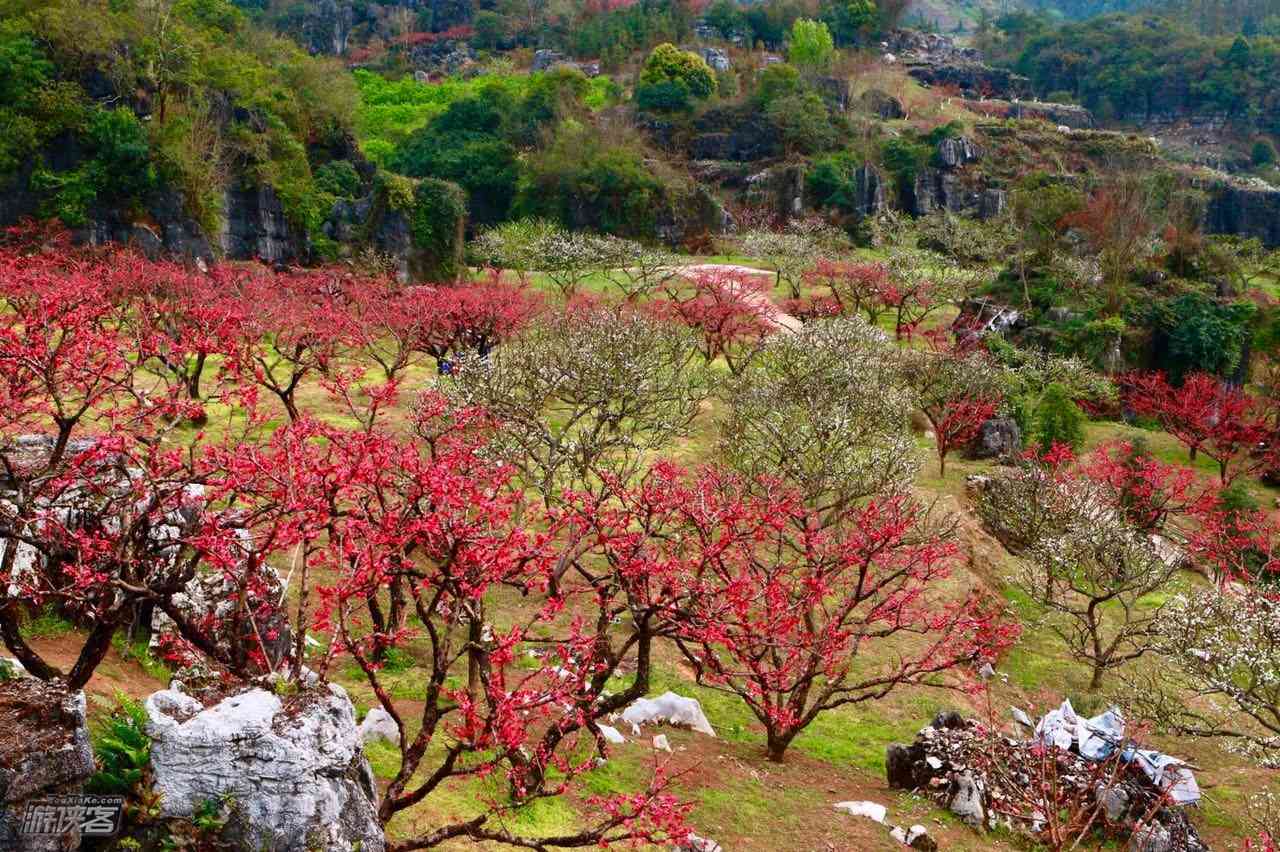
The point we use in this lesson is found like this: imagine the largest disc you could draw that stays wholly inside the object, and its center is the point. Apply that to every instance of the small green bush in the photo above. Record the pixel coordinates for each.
(1264, 153)
(340, 179)
(1058, 419)
(122, 749)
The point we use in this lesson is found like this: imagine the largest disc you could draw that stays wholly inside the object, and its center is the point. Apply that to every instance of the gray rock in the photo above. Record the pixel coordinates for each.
(298, 777)
(966, 801)
(544, 59)
(883, 104)
(958, 151)
(378, 725)
(46, 752)
(1244, 208)
(997, 437)
(716, 58)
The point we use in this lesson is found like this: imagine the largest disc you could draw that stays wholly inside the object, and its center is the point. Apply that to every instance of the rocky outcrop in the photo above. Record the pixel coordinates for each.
(1246, 208)
(256, 227)
(780, 188)
(716, 58)
(1062, 115)
(882, 104)
(44, 751)
(972, 79)
(944, 189)
(739, 134)
(958, 151)
(296, 772)
(998, 437)
(328, 24)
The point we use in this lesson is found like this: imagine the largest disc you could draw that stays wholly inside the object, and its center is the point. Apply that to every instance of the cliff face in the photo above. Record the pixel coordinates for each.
(1247, 209)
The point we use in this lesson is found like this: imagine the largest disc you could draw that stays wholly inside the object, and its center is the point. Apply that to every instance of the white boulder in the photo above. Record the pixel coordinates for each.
(298, 775)
(378, 725)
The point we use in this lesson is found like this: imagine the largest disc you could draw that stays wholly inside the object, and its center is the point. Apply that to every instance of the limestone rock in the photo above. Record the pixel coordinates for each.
(958, 151)
(997, 437)
(297, 774)
(716, 58)
(378, 725)
(882, 104)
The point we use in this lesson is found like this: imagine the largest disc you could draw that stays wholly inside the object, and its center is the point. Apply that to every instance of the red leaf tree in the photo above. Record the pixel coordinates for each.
(788, 611)
(1208, 416)
(729, 312)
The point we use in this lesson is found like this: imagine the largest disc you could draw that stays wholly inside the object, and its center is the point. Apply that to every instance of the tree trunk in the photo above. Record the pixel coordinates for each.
(777, 746)
(1095, 682)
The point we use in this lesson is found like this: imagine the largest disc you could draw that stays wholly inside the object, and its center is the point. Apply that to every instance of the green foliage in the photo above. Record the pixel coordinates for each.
(436, 223)
(832, 182)
(339, 179)
(582, 181)
(667, 96)
(1263, 153)
(777, 81)
(811, 46)
(904, 158)
(726, 18)
(1058, 418)
(463, 144)
(1204, 334)
(1122, 66)
(850, 20)
(122, 749)
(805, 122)
(669, 64)
(391, 111)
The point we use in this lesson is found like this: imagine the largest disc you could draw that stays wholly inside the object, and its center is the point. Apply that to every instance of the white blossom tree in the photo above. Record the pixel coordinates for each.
(825, 409)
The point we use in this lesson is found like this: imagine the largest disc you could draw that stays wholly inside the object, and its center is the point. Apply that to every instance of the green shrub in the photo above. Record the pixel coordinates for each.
(667, 96)
(122, 749)
(1263, 153)
(340, 179)
(904, 158)
(1058, 419)
(777, 81)
(437, 223)
(811, 46)
(668, 63)
(832, 182)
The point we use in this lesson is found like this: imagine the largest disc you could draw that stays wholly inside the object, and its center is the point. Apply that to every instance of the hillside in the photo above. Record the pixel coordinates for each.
(660, 425)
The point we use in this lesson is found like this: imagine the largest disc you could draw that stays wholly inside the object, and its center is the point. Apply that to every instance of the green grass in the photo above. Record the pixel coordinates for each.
(46, 624)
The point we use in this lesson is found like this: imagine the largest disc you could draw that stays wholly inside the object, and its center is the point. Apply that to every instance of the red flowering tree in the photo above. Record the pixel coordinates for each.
(956, 391)
(1149, 493)
(729, 312)
(102, 499)
(1208, 416)
(435, 523)
(796, 614)
(853, 287)
(397, 325)
(300, 325)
